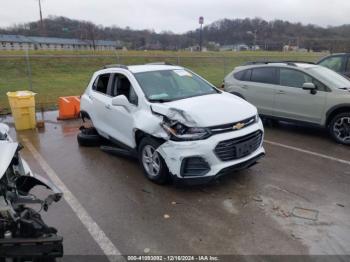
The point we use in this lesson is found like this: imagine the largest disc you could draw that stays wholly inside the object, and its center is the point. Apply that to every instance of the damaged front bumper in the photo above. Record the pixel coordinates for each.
(193, 162)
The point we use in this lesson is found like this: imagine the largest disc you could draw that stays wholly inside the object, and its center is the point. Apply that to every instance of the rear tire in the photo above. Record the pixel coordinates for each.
(339, 128)
(152, 163)
(89, 137)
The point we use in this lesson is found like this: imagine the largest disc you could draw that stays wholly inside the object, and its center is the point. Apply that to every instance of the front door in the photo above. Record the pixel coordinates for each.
(120, 119)
(293, 102)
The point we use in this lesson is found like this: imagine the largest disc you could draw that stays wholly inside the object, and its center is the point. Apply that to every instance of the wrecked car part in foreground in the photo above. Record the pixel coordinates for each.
(23, 233)
(179, 125)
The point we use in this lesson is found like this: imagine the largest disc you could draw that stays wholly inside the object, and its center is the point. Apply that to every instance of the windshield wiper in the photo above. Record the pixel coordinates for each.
(159, 100)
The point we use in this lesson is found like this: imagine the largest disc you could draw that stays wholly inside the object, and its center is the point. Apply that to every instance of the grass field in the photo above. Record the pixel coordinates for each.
(63, 73)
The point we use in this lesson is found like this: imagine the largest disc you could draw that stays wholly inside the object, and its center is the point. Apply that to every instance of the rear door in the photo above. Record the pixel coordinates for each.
(293, 102)
(100, 99)
(259, 88)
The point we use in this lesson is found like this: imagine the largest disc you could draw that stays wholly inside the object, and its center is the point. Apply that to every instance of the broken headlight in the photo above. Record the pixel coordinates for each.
(181, 132)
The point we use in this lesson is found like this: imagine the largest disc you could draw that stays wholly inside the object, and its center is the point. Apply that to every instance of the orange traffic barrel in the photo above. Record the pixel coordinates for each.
(68, 107)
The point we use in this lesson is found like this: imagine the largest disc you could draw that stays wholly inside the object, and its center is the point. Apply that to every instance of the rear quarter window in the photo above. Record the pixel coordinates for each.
(243, 75)
(239, 75)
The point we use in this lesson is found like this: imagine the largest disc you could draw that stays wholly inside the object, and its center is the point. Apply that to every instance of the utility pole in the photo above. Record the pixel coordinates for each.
(201, 21)
(41, 18)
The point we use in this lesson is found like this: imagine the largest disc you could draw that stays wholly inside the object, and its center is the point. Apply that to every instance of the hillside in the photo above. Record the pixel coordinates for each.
(271, 35)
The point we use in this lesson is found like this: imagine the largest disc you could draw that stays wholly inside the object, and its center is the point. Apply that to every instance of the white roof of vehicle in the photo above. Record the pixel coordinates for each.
(148, 68)
(140, 68)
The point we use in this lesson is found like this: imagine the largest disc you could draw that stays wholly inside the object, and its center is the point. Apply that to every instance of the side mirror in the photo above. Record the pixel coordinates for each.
(311, 87)
(121, 101)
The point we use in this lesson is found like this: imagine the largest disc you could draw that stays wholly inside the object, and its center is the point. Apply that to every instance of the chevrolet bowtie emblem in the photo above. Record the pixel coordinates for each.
(238, 126)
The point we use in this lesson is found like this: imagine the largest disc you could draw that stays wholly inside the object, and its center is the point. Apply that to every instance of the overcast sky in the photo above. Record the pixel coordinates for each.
(176, 15)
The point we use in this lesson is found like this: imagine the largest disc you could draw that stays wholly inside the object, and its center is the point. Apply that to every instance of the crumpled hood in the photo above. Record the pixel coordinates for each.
(7, 151)
(207, 110)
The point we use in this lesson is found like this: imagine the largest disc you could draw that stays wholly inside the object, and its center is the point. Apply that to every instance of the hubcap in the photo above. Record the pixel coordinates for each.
(151, 160)
(341, 129)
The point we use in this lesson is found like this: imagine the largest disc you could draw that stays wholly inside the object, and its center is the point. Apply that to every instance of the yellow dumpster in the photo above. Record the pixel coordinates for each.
(22, 105)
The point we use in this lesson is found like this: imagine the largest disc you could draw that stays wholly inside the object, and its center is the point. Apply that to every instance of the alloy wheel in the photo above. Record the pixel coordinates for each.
(151, 160)
(341, 129)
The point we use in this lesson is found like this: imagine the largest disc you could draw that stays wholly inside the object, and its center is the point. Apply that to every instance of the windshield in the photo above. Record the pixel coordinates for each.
(169, 85)
(330, 77)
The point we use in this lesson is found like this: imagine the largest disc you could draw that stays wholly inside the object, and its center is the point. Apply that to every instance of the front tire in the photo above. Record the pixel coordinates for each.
(152, 163)
(339, 128)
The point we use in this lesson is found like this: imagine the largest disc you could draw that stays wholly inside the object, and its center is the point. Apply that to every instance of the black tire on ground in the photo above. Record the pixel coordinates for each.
(271, 122)
(89, 137)
(163, 176)
(337, 130)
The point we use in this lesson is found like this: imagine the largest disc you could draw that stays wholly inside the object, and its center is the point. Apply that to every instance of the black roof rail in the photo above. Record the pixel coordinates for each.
(291, 63)
(160, 63)
(115, 66)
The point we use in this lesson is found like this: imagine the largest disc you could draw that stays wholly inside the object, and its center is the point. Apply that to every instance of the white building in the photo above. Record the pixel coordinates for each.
(19, 42)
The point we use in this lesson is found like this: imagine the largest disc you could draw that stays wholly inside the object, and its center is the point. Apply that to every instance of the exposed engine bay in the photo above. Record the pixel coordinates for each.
(22, 230)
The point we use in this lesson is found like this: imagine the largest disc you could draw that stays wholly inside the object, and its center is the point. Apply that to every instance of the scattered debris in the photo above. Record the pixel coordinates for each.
(230, 207)
(146, 250)
(40, 124)
(283, 213)
(166, 216)
(288, 192)
(244, 202)
(295, 237)
(305, 213)
(341, 205)
(257, 198)
(146, 191)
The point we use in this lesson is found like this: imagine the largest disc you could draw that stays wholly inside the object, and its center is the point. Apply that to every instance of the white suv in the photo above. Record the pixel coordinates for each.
(176, 123)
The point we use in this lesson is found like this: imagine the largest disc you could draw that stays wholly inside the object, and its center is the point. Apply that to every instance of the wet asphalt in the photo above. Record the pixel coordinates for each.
(248, 212)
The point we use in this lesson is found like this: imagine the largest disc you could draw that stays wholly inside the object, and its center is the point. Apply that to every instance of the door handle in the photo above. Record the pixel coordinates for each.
(108, 107)
(244, 86)
(280, 92)
(90, 97)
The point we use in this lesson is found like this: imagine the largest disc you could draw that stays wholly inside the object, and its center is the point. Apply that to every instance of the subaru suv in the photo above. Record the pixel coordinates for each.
(296, 91)
(178, 125)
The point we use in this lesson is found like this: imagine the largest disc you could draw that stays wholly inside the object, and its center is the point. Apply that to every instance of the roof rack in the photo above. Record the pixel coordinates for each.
(160, 63)
(115, 66)
(288, 62)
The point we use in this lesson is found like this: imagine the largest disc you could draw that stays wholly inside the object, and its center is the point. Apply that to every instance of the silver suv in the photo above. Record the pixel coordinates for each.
(295, 91)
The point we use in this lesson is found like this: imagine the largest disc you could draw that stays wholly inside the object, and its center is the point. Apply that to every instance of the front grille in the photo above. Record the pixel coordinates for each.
(238, 147)
(194, 166)
(230, 127)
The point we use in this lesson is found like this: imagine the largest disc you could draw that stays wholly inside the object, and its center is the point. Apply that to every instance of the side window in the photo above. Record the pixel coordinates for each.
(122, 86)
(335, 63)
(243, 75)
(347, 64)
(320, 86)
(101, 83)
(264, 75)
(293, 78)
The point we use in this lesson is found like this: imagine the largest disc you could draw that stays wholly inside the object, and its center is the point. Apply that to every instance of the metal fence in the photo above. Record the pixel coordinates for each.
(51, 76)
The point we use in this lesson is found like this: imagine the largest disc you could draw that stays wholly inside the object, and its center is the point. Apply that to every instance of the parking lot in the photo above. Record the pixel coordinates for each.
(295, 201)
